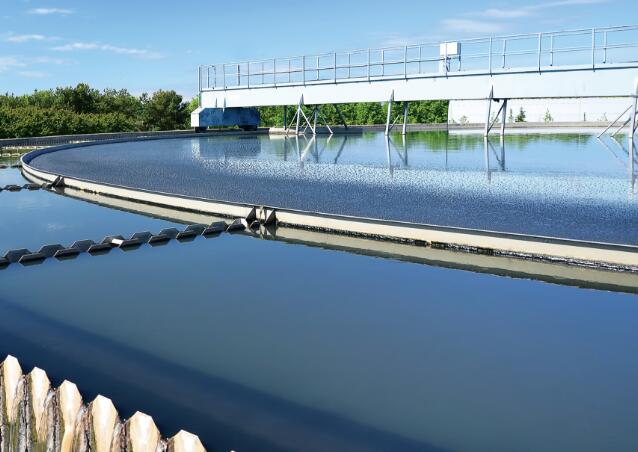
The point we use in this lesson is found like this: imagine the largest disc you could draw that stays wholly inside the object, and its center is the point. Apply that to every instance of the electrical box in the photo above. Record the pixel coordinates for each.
(451, 49)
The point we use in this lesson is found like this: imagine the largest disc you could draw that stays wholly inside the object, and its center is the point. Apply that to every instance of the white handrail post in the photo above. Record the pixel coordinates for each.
(405, 62)
(593, 48)
(383, 63)
(335, 65)
(540, 40)
(368, 64)
(445, 56)
(504, 50)
(489, 57)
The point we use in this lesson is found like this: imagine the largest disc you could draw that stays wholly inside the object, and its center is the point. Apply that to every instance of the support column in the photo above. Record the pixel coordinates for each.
(285, 116)
(488, 122)
(406, 106)
(632, 125)
(299, 112)
(315, 114)
(343, 120)
(389, 118)
(503, 117)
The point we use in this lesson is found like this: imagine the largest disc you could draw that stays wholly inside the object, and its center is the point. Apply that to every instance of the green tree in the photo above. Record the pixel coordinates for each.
(520, 117)
(548, 116)
(164, 110)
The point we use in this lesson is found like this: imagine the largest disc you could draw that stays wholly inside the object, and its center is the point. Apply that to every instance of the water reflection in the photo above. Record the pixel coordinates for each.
(539, 184)
(566, 153)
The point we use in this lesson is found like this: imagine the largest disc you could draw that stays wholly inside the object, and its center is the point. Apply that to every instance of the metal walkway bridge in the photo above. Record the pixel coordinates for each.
(597, 62)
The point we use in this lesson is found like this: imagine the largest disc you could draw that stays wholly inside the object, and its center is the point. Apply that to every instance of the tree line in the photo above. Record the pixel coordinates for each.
(82, 109)
(363, 113)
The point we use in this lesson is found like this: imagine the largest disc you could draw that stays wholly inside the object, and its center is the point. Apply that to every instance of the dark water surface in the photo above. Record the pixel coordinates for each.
(561, 185)
(259, 345)
(30, 219)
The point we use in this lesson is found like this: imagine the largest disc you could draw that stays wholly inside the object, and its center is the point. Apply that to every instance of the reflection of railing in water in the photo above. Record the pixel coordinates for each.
(631, 159)
(35, 416)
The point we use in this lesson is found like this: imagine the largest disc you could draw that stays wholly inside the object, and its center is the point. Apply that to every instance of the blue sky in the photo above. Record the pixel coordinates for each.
(146, 45)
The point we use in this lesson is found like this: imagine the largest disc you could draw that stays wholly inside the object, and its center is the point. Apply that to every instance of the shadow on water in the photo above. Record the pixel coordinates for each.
(224, 414)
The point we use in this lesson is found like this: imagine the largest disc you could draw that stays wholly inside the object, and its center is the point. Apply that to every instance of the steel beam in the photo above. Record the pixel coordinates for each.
(406, 106)
(389, 118)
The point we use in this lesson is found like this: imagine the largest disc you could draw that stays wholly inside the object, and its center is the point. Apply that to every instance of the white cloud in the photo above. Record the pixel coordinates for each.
(472, 26)
(48, 60)
(7, 63)
(50, 11)
(76, 46)
(528, 10)
(499, 19)
(32, 74)
(27, 38)
(139, 53)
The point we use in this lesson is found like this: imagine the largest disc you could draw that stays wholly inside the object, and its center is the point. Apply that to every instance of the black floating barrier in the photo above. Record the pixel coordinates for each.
(190, 232)
(32, 258)
(67, 253)
(170, 232)
(215, 229)
(238, 225)
(51, 250)
(14, 256)
(159, 239)
(27, 257)
(32, 186)
(120, 242)
(82, 245)
(143, 237)
(12, 187)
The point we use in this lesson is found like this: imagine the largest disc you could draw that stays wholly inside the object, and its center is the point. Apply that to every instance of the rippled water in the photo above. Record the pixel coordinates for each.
(562, 185)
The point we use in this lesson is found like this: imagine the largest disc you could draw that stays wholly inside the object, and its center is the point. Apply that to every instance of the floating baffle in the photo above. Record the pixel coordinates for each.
(36, 416)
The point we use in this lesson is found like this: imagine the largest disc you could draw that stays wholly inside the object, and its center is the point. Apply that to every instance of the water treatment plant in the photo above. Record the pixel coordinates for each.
(332, 286)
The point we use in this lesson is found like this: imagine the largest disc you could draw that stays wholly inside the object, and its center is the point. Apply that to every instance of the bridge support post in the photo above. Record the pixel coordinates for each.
(406, 106)
(502, 111)
(488, 113)
(503, 118)
(298, 114)
(343, 120)
(633, 125)
(389, 118)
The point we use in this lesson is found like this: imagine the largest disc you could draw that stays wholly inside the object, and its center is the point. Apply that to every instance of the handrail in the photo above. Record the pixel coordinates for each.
(590, 48)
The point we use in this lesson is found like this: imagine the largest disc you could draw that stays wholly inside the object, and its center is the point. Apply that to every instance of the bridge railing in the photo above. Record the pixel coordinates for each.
(546, 51)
